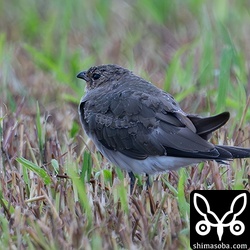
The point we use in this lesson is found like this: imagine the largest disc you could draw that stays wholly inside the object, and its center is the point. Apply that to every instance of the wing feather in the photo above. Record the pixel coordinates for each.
(139, 124)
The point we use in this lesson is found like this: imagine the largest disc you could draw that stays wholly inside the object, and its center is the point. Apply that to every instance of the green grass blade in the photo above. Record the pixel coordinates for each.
(183, 204)
(36, 169)
(224, 78)
(39, 128)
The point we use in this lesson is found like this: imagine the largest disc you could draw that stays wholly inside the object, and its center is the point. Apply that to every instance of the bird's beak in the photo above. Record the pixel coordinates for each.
(83, 75)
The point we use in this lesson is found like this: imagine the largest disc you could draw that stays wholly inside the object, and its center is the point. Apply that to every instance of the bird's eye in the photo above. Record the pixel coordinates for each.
(96, 76)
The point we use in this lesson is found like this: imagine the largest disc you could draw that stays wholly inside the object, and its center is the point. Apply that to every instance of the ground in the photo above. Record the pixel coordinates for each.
(56, 191)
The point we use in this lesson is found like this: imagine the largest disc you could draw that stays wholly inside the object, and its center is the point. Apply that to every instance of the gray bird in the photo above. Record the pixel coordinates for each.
(141, 128)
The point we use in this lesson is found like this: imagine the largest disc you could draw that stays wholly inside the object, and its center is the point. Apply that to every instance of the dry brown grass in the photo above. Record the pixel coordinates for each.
(180, 46)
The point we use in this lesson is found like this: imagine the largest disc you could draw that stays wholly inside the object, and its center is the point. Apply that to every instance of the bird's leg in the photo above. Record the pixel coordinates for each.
(147, 182)
(132, 181)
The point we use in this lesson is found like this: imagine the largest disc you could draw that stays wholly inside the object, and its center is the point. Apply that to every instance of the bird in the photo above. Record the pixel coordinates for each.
(142, 129)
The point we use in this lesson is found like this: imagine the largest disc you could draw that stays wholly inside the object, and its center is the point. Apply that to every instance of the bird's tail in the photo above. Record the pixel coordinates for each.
(229, 152)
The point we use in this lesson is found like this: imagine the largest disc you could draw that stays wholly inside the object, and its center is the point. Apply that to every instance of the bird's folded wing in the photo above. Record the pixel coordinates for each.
(139, 125)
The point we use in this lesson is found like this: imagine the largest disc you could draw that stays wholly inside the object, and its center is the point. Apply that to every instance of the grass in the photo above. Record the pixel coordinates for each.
(55, 190)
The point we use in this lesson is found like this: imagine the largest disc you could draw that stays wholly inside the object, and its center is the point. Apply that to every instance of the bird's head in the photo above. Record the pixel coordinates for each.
(101, 75)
